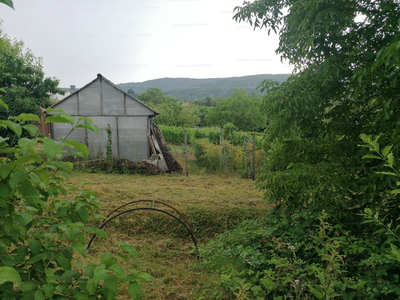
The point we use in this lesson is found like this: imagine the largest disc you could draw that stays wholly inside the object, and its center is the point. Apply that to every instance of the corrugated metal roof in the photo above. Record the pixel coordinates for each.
(100, 78)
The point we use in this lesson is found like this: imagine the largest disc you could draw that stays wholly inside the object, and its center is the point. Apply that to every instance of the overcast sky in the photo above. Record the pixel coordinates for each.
(135, 41)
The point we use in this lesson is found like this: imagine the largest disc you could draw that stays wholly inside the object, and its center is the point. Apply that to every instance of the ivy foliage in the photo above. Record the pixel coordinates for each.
(44, 222)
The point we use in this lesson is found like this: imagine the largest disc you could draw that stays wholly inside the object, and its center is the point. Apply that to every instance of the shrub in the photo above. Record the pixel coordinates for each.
(41, 234)
(301, 251)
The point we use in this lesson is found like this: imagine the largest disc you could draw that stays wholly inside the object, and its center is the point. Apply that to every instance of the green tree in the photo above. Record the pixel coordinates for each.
(172, 112)
(346, 54)
(25, 87)
(239, 109)
(131, 92)
(155, 96)
(313, 244)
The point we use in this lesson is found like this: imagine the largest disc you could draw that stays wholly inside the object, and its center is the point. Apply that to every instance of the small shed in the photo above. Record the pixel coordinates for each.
(130, 120)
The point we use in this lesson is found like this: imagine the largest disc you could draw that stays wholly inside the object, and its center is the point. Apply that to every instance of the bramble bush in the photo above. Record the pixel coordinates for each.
(41, 234)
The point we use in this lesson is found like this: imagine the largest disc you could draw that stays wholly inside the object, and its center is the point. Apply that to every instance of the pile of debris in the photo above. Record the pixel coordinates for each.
(161, 154)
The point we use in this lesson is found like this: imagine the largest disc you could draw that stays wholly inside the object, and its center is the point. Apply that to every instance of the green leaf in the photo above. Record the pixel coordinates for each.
(8, 274)
(145, 277)
(39, 295)
(90, 286)
(386, 150)
(4, 193)
(96, 231)
(396, 191)
(60, 118)
(83, 214)
(35, 246)
(43, 175)
(89, 126)
(17, 177)
(2, 103)
(64, 262)
(111, 285)
(387, 173)
(26, 216)
(390, 159)
(26, 145)
(4, 170)
(134, 290)
(28, 295)
(108, 260)
(371, 156)
(118, 270)
(52, 148)
(130, 249)
(40, 256)
(89, 270)
(7, 224)
(78, 247)
(99, 274)
(51, 110)
(316, 293)
(69, 274)
(63, 166)
(85, 119)
(27, 286)
(29, 192)
(16, 128)
(48, 290)
(78, 295)
(32, 129)
(3, 142)
(26, 118)
(81, 147)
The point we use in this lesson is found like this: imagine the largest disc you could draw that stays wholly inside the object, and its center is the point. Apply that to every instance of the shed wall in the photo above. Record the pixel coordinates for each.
(129, 136)
(90, 100)
(106, 105)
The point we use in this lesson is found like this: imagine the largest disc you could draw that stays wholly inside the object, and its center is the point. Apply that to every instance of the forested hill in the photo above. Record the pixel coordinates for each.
(189, 88)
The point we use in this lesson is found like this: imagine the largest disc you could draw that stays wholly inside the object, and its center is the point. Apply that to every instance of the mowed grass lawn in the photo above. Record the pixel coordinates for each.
(165, 248)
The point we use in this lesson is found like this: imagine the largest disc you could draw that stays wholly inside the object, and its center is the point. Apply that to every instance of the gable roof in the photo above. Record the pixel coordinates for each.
(102, 78)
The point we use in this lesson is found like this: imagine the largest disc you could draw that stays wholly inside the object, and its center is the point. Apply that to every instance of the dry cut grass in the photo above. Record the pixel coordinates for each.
(211, 204)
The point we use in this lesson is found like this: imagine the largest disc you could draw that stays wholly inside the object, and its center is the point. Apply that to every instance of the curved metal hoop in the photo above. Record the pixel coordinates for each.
(184, 222)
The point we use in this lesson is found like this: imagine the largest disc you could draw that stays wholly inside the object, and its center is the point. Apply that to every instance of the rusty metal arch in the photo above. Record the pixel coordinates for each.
(183, 220)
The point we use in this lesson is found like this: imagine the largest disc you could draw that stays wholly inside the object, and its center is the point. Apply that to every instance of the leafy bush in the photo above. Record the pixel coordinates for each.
(308, 253)
(42, 234)
(271, 260)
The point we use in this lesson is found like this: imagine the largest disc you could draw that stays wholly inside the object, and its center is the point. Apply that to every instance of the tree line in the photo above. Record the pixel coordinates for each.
(240, 109)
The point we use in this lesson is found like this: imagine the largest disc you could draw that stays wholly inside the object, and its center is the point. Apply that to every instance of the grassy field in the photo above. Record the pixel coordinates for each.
(165, 248)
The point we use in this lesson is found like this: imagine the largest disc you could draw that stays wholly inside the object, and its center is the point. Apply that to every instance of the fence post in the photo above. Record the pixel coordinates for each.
(186, 155)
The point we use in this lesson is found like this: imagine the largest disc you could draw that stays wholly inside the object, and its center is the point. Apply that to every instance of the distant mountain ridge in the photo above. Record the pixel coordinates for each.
(185, 89)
